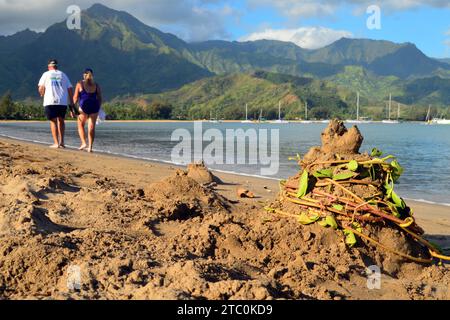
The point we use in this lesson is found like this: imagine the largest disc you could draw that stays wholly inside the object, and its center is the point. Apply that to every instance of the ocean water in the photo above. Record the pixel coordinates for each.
(423, 151)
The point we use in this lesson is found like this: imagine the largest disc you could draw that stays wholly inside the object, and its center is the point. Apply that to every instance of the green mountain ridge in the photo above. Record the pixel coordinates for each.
(225, 96)
(129, 57)
(444, 60)
(10, 43)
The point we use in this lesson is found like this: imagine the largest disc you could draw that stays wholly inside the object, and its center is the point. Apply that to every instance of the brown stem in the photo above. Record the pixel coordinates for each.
(332, 210)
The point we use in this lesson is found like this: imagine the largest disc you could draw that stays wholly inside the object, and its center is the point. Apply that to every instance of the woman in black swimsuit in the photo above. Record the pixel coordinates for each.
(90, 100)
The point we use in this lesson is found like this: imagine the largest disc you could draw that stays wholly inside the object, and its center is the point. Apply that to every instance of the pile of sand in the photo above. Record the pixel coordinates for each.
(173, 239)
(200, 173)
(183, 197)
(338, 143)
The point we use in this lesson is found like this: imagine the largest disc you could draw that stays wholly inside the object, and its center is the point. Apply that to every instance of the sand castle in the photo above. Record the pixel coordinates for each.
(340, 188)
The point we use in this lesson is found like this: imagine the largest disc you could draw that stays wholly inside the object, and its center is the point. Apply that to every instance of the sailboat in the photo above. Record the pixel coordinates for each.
(357, 111)
(440, 121)
(213, 120)
(389, 121)
(435, 120)
(261, 119)
(279, 115)
(306, 114)
(428, 119)
(358, 118)
(246, 115)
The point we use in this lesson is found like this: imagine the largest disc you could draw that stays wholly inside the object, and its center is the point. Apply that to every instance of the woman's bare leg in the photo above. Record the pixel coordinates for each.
(91, 129)
(81, 122)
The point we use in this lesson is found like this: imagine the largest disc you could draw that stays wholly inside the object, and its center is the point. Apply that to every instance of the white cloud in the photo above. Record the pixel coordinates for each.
(307, 37)
(295, 9)
(447, 41)
(193, 20)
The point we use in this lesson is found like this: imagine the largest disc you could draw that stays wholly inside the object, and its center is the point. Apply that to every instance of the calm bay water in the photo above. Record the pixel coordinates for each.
(424, 151)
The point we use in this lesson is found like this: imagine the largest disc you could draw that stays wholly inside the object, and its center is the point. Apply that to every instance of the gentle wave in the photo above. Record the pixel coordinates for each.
(429, 202)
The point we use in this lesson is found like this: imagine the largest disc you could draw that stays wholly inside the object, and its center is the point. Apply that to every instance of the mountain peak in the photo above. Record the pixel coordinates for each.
(99, 8)
(101, 11)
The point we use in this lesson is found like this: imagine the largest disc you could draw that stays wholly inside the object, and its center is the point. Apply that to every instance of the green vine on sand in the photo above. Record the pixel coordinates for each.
(325, 197)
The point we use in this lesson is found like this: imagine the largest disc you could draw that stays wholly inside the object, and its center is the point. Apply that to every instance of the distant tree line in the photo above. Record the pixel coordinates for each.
(11, 110)
(319, 108)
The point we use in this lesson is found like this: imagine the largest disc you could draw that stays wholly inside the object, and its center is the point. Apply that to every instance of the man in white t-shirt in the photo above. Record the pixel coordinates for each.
(57, 91)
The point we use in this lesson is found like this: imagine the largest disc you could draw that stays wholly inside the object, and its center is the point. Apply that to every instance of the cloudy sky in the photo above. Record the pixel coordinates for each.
(308, 23)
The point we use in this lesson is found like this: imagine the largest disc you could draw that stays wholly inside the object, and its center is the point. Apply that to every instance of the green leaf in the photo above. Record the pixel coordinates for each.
(387, 158)
(397, 170)
(399, 203)
(303, 186)
(393, 209)
(376, 153)
(338, 207)
(305, 219)
(325, 173)
(389, 189)
(323, 223)
(372, 172)
(328, 221)
(343, 176)
(353, 165)
(296, 158)
(357, 226)
(350, 238)
(331, 222)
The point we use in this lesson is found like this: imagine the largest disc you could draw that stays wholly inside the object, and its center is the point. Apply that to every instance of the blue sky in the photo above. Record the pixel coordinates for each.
(308, 23)
(426, 26)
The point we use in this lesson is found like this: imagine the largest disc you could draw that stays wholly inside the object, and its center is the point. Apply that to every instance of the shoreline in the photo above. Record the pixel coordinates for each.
(208, 121)
(217, 171)
(143, 171)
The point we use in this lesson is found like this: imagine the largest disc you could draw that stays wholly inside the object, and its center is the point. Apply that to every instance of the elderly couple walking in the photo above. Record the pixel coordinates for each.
(58, 93)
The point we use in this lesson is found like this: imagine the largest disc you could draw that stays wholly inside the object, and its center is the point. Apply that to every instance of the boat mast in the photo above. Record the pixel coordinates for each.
(357, 106)
(428, 113)
(279, 110)
(246, 112)
(390, 104)
(306, 110)
(398, 111)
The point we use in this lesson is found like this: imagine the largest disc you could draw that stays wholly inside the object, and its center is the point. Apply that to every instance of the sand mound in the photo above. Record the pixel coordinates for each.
(200, 173)
(336, 188)
(181, 197)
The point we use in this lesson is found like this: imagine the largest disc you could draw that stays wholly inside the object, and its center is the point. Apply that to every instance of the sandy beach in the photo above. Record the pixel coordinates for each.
(144, 230)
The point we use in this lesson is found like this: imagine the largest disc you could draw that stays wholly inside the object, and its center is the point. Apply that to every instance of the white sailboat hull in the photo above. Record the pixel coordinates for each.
(440, 121)
(390, 121)
(280, 121)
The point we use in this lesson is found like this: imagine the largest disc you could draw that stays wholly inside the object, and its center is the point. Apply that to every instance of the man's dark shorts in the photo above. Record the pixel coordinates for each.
(55, 111)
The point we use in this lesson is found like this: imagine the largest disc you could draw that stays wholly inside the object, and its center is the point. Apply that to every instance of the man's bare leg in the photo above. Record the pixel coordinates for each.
(91, 129)
(61, 132)
(54, 129)
(81, 122)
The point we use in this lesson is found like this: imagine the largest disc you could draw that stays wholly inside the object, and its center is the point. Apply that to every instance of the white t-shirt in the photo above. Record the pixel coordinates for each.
(56, 84)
